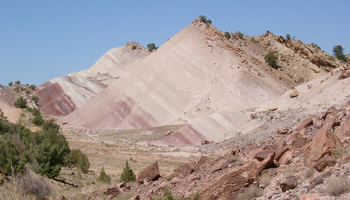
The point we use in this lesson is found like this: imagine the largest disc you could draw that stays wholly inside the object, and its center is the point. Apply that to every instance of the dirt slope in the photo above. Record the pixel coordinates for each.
(11, 113)
(63, 95)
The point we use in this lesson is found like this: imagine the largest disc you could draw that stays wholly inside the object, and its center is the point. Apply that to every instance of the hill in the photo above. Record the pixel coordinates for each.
(197, 73)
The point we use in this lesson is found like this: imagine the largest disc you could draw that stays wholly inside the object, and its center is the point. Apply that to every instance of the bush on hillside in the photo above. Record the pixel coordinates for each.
(17, 82)
(288, 36)
(50, 153)
(20, 103)
(128, 174)
(240, 34)
(10, 83)
(315, 45)
(103, 177)
(253, 39)
(271, 60)
(78, 159)
(205, 20)
(151, 47)
(38, 120)
(32, 87)
(227, 35)
(338, 52)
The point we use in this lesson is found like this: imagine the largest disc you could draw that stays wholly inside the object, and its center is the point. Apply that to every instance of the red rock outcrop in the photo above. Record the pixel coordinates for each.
(324, 142)
(150, 173)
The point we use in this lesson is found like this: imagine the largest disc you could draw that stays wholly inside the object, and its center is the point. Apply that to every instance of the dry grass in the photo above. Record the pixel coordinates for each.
(13, 190)
(235, 160)
(288, 172)
(250, 193)
(339, 152)
(336, 186)
(111, 150)
(264, 179)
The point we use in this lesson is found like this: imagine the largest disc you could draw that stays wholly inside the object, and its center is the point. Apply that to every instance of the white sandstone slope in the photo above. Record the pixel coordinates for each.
(63, 95)
(191, 75)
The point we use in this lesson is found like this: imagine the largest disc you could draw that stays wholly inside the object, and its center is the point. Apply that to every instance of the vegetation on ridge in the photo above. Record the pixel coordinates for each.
(271, 60)
(338, 52)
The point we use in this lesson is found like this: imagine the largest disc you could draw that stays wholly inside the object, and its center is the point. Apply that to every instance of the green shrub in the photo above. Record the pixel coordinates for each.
(134, 47)
(253, 39)
(151, 46)
(240, 34)
(35, 99)
(271, 60)
(17, 82)
(338, 52)
(8, 156)
(10, 83)
(32, 87)
(203, 18)
(227, 35)
(288, 36)
(167, 194)
(315, 45)
(103, 177)
(50, 126)
(38, 120)
(78, 159)
(20, 103)
(50, 153)
(128, 174)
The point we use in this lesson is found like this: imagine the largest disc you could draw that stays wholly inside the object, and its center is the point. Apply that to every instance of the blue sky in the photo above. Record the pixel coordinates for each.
(41, 40)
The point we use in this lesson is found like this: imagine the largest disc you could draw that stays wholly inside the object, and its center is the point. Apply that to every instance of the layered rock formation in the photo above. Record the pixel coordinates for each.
(63, 95)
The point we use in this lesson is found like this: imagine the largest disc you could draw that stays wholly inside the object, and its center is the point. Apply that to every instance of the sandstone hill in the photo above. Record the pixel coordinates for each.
(199, 72)
(61, 96)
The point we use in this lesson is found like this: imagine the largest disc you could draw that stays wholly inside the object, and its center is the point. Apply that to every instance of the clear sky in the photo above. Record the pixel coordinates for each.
(42, 40)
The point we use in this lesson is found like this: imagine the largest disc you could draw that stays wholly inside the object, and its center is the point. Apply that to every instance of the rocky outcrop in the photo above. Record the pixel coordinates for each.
(324, 142)
(150, 173)
(345, 74)
(112, 191)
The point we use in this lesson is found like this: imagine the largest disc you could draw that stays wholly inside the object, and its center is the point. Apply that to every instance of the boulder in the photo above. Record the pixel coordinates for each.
(324, 162)
(324, 142)
(61, 197)
(150, 173)
(311, 196)
(183, 170)
(260, 156)
(232, 183)
(344, 74)
(289, 183)
(343, 130)
(221, 164)
(137, 197)
(203, 160)
(293, 93)
(207, 141)
(279, 153)
(282, 130)
(286, 158)
(112, 191)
